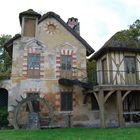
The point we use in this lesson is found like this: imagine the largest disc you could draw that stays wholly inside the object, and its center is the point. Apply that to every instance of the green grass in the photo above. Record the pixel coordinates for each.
(72, 134)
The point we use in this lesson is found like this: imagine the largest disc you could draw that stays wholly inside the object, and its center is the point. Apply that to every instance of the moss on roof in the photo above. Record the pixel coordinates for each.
(51, 14)
(29, 12)
(124, 39)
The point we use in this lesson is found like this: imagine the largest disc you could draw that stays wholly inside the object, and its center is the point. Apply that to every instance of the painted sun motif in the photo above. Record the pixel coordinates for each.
(51, 28)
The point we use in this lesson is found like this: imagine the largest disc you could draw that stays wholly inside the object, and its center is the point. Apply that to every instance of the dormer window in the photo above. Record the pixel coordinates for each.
(29, 27)
(28, 21)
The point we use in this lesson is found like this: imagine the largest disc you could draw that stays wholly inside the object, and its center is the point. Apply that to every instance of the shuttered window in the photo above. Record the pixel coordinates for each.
(66, 101)
(29, 27)
(104, 71)
(33, 65)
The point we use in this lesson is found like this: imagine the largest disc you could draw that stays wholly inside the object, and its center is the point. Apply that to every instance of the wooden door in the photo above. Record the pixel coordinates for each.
(130, 70)
(104, 71)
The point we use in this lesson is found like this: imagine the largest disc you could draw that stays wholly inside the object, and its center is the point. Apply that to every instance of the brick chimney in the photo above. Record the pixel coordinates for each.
(74, 24)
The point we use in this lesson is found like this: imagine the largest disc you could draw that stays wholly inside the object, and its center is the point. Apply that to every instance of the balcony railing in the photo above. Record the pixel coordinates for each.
(114, 77)
(74, 73)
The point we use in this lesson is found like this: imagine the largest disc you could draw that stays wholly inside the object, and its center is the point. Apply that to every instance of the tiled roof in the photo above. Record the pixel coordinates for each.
(9, 45)
(30, 12)
(90, 50)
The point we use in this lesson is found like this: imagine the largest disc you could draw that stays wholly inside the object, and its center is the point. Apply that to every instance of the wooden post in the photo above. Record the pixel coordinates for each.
(101, 106)
(120, 109)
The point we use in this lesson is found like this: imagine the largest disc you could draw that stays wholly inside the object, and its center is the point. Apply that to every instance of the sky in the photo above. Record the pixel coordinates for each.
(99, 19)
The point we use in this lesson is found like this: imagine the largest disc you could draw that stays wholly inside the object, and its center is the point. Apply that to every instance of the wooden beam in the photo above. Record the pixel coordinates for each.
(126, 93)
(31, 109)
(101, 106)
(108, 95)
(117, 87)
(96, 96)
(120, 109)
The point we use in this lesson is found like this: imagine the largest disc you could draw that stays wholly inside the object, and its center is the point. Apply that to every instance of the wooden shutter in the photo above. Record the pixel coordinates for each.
(29, 27)
(104, 71)
(130, 70)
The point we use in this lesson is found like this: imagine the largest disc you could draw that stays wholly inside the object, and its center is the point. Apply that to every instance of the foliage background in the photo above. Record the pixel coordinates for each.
(5, 60)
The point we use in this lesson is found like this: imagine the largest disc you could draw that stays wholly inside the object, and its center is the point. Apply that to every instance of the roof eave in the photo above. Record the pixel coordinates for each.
(90, 50)
(106, 49)
(9, 45)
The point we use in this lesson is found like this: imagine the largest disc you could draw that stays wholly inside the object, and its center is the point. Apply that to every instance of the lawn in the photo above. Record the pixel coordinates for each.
(72, 134)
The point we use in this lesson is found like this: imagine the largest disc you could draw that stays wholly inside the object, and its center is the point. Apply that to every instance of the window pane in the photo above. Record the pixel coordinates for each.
(33, 61)
(66, 62)
(130, 65)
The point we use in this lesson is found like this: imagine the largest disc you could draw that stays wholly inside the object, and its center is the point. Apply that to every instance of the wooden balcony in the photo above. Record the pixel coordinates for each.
(114, 77)
(74, 73)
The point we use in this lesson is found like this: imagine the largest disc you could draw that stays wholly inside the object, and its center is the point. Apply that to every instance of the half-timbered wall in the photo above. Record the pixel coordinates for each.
(116, 72)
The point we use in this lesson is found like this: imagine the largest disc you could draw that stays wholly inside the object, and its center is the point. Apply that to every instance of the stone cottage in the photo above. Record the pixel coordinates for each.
(48, 72)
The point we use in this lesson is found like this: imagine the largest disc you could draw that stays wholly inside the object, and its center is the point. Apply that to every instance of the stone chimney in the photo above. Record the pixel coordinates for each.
(74, 24)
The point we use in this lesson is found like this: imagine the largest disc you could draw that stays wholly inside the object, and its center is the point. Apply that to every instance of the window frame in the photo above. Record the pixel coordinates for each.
(104, 71)
(66, 62)
(128, 64)
(26, 26)
(33, 66)
(66, 101)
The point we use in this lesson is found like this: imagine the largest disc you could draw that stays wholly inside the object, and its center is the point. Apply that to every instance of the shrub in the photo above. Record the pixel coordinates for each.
(3, 117)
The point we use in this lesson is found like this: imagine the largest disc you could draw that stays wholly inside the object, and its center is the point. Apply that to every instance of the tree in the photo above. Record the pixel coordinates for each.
(5, 60)
(91, 71)
(134, 29)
